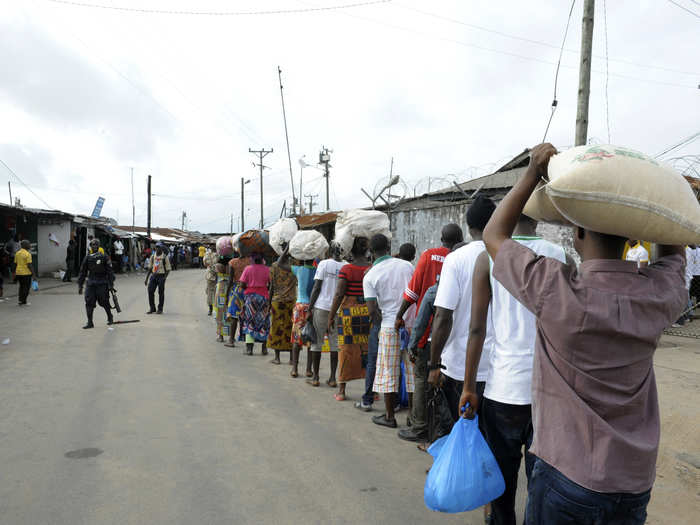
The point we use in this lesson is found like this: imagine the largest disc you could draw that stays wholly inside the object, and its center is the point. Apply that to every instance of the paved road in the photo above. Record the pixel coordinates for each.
(188, 431)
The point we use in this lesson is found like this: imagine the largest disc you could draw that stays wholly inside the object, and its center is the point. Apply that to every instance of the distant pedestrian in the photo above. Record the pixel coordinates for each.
(24, 271)
(202, 251)
(118, 252)
(158, 271)
(210, 278)
(637, 252)
(70, 261)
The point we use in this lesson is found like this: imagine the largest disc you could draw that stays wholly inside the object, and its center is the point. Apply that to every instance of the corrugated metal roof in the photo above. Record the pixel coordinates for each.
(313, 220)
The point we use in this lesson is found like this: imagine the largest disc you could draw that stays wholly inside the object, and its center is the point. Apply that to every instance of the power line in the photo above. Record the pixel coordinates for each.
(536, 42)
(508, 53)
(217, 13)
(683, 142)
(48, 206)
(685, 8)
(556, 74)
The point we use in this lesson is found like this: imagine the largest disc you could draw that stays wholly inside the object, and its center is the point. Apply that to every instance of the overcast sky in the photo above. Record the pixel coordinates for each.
(450, 93)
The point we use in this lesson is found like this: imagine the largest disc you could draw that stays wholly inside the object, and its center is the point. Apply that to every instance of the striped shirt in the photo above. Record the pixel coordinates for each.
(353, 275)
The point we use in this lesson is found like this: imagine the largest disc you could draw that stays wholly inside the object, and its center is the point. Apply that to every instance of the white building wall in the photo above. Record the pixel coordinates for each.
(51, 257)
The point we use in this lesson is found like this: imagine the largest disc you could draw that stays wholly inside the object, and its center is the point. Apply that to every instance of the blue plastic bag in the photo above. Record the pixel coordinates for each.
(35, 285)
(464, 475)
(403, 393)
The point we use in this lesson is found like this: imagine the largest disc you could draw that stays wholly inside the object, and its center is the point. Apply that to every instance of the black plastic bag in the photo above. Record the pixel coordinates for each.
(439, 416)
(308, 334)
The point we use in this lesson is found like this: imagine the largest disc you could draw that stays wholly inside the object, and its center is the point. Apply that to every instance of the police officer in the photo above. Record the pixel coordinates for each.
(97, 268)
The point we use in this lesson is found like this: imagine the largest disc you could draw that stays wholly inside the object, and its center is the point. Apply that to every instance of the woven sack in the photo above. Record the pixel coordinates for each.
(255, 241)
(359, 223)
(618, 191)
(281, 233)
(308, 244)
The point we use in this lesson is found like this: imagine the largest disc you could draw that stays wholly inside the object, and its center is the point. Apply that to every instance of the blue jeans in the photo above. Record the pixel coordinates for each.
(553, 499)
(372, 351)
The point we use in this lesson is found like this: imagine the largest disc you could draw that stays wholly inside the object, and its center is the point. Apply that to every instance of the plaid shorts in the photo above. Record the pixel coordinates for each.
(389, 359)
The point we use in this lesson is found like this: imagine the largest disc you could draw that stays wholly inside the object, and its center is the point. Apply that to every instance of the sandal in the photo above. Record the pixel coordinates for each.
(293, 374)
(339, 397)
(313, 382)
(309, 374)
(331, 384)
(230, 345)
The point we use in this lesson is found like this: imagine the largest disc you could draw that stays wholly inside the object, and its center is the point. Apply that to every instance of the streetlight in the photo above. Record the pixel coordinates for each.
(244, 181)
(302, 164)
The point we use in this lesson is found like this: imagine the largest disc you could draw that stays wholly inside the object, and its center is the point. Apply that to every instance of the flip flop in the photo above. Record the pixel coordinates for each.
(230, 345)
(293, 374)
(313, 383)
(309, 374)
(274, 362)
(339, 397)
(331, 384)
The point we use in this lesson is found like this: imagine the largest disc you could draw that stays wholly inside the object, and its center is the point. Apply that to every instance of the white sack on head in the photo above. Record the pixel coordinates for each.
(359, 223)
(618, 191)
(281, 233)
(308, 244)
(234, 242)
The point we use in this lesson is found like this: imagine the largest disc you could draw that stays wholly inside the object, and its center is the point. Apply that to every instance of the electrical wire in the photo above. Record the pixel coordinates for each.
(216, 13)
(682, 143)
(48, 206)
(536, 42)
(556, 74)
(607, 70)
(685, 8)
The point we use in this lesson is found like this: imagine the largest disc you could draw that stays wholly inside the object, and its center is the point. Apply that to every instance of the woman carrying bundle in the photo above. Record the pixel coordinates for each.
(255, 317)
(283, 294)
(223, 328)
(235, 294)
(353, 323)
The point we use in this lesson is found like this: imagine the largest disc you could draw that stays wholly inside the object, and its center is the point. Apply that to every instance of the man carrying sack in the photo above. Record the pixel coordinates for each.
(595, 409)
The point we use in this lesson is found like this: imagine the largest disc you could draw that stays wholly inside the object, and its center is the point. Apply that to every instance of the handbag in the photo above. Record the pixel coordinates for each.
(439, 416)
(308, 334)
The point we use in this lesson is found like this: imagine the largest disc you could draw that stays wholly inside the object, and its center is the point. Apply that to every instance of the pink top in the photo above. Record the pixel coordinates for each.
(256, 278)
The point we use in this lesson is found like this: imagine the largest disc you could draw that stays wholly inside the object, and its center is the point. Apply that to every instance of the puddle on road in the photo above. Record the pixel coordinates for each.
(83, 453)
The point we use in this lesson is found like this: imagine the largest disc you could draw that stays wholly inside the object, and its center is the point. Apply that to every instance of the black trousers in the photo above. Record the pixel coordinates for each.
(507, 429)
(157, 281)
(97, 293)
(25, 284)
(69, 269)
(453, 391)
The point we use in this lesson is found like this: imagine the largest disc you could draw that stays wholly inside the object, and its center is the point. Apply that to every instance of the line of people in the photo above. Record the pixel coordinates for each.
(555, 360)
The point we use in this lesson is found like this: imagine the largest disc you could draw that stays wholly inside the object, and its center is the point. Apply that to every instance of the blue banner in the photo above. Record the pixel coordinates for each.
(98, 207)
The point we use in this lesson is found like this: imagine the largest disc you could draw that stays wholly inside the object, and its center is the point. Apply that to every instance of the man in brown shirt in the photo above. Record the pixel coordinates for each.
(594, 408)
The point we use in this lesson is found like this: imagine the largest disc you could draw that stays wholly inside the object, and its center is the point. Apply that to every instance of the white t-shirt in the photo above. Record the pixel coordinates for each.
(118, 248)
(455, 293)
(696, 261)
(385, 282)
(327, 273)
(510, 377)
(638, 253)
(689, 265)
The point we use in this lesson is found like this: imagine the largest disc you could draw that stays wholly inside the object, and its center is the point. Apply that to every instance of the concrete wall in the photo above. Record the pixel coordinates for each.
(51, 257)
(422, 227)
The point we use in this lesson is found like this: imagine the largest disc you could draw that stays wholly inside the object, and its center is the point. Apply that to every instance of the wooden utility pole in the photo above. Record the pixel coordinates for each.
(148, 221)
(133, 206)
(261, 153)
(311, 201)
(584, 73)
(242, 205)
(9, 188)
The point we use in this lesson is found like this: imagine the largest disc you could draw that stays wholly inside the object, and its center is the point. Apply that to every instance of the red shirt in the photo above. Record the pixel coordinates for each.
(424, 276)
(353, 274)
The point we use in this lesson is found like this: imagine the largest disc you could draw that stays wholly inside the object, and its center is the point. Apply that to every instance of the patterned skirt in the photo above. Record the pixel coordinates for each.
(299, 318)
(353, 337)
(280, 325)
(235, 301)
(223, 328)
(255, 317)
(211, 291)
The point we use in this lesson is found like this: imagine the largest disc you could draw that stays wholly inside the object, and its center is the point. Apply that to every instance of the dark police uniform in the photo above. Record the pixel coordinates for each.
(97, 268)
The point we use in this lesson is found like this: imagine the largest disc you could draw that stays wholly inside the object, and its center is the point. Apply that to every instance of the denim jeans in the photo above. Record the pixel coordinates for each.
(553, 499)
(419, 414)
(157, 282)
(372, 351)
(507, 429)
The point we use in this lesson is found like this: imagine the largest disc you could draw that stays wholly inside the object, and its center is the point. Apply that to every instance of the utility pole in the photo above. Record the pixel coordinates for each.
(231, 228)
(286, 136)
(148, 224)
(324, 158)
(261, 153)
(184, 216)
(311, 201)
(244, 181)
(9, 188)
(584, 73)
